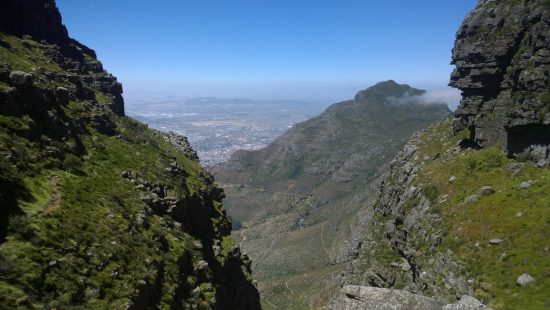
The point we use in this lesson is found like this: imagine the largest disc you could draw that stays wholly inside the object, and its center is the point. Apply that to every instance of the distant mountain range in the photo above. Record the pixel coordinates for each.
(296, 197)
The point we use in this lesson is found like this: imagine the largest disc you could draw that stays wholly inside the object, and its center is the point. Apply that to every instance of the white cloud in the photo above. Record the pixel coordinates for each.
(450, 96)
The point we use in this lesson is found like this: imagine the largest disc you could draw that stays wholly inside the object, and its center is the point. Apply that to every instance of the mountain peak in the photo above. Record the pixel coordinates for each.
(383, 90)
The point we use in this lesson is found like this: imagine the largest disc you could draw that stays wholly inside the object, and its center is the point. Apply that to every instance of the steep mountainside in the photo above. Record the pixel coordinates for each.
(96, 210)
(465, 209)
(296, 198)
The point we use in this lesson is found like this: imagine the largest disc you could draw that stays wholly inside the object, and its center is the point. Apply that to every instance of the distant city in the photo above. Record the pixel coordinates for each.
(218, 127)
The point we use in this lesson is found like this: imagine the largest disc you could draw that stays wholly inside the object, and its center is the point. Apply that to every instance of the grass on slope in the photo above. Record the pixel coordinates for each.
(519, 217)
(89, 246)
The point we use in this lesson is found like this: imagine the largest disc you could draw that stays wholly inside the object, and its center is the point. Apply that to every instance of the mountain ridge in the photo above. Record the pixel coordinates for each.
(96, 209)
(306, 185)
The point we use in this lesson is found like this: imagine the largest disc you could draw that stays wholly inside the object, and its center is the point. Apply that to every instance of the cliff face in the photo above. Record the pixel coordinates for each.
(296, 198)
(502, 58)
(457, 217)
(39, 19)
(97, 210)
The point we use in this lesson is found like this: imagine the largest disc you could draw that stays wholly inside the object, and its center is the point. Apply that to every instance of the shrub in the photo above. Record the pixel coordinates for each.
(21, 226)
(72, 163)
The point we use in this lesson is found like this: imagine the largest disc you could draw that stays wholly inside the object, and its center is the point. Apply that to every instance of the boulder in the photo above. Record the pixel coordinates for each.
(63, 95)
(362, 297)
(353, 297)
(486, 191)
(466, 303)
(524, 185)
(471, 198)
(21, 79)
(525, 279)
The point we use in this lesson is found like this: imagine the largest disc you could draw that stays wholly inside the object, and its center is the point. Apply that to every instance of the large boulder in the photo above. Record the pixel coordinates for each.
(353, 297)
(21, 79)
(363, 297)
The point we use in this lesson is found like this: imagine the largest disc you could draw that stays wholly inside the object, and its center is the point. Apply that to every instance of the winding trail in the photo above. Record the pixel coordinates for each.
(55, 202)
(228, 185)
(243, 236)
(288, 287)
(323, 240)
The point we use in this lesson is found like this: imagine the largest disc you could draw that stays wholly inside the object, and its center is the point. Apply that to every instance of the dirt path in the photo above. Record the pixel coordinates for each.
(288, 287)
(323, 240)
(243, 236)
(55, 202)
(227, 185)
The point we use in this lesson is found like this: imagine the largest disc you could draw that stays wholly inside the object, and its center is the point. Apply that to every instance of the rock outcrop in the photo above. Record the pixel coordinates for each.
(448, 217)
(181, 143)
(372, 298)
(502, 58)
(97, 211)
(81, 73)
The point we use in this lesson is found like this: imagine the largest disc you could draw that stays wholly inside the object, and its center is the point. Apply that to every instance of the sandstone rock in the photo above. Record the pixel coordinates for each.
(538, 152)
(543, 163)
(466, 303)
(471, 198)
(63, 95)
(372, 298)
(21, 79)
(525, 279)
(499, 72)
(486, 191)
(405, 266)
(514, 167)
(524, 185)
(181, 143)
(202, 265)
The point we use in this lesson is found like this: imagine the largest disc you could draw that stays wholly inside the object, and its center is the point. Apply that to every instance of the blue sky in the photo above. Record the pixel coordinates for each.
(298, 49)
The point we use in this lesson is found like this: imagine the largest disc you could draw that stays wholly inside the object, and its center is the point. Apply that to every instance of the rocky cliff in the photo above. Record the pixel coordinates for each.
(296, 198)
(97, 210)
(457, 216)
(502, 58)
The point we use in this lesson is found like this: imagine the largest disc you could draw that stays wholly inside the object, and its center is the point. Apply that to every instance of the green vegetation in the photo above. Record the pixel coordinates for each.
(519, 217)
(297, 198)
(75, 233)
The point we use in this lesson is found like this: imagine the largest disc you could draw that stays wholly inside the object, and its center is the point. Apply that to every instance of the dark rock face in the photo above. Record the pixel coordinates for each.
(40, 19)
(400, 218)
(502, 58)
(195, 215)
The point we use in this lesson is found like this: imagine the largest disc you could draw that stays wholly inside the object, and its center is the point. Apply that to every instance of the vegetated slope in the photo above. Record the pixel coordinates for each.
(296, 198)
(97, 210)
(466, 207)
